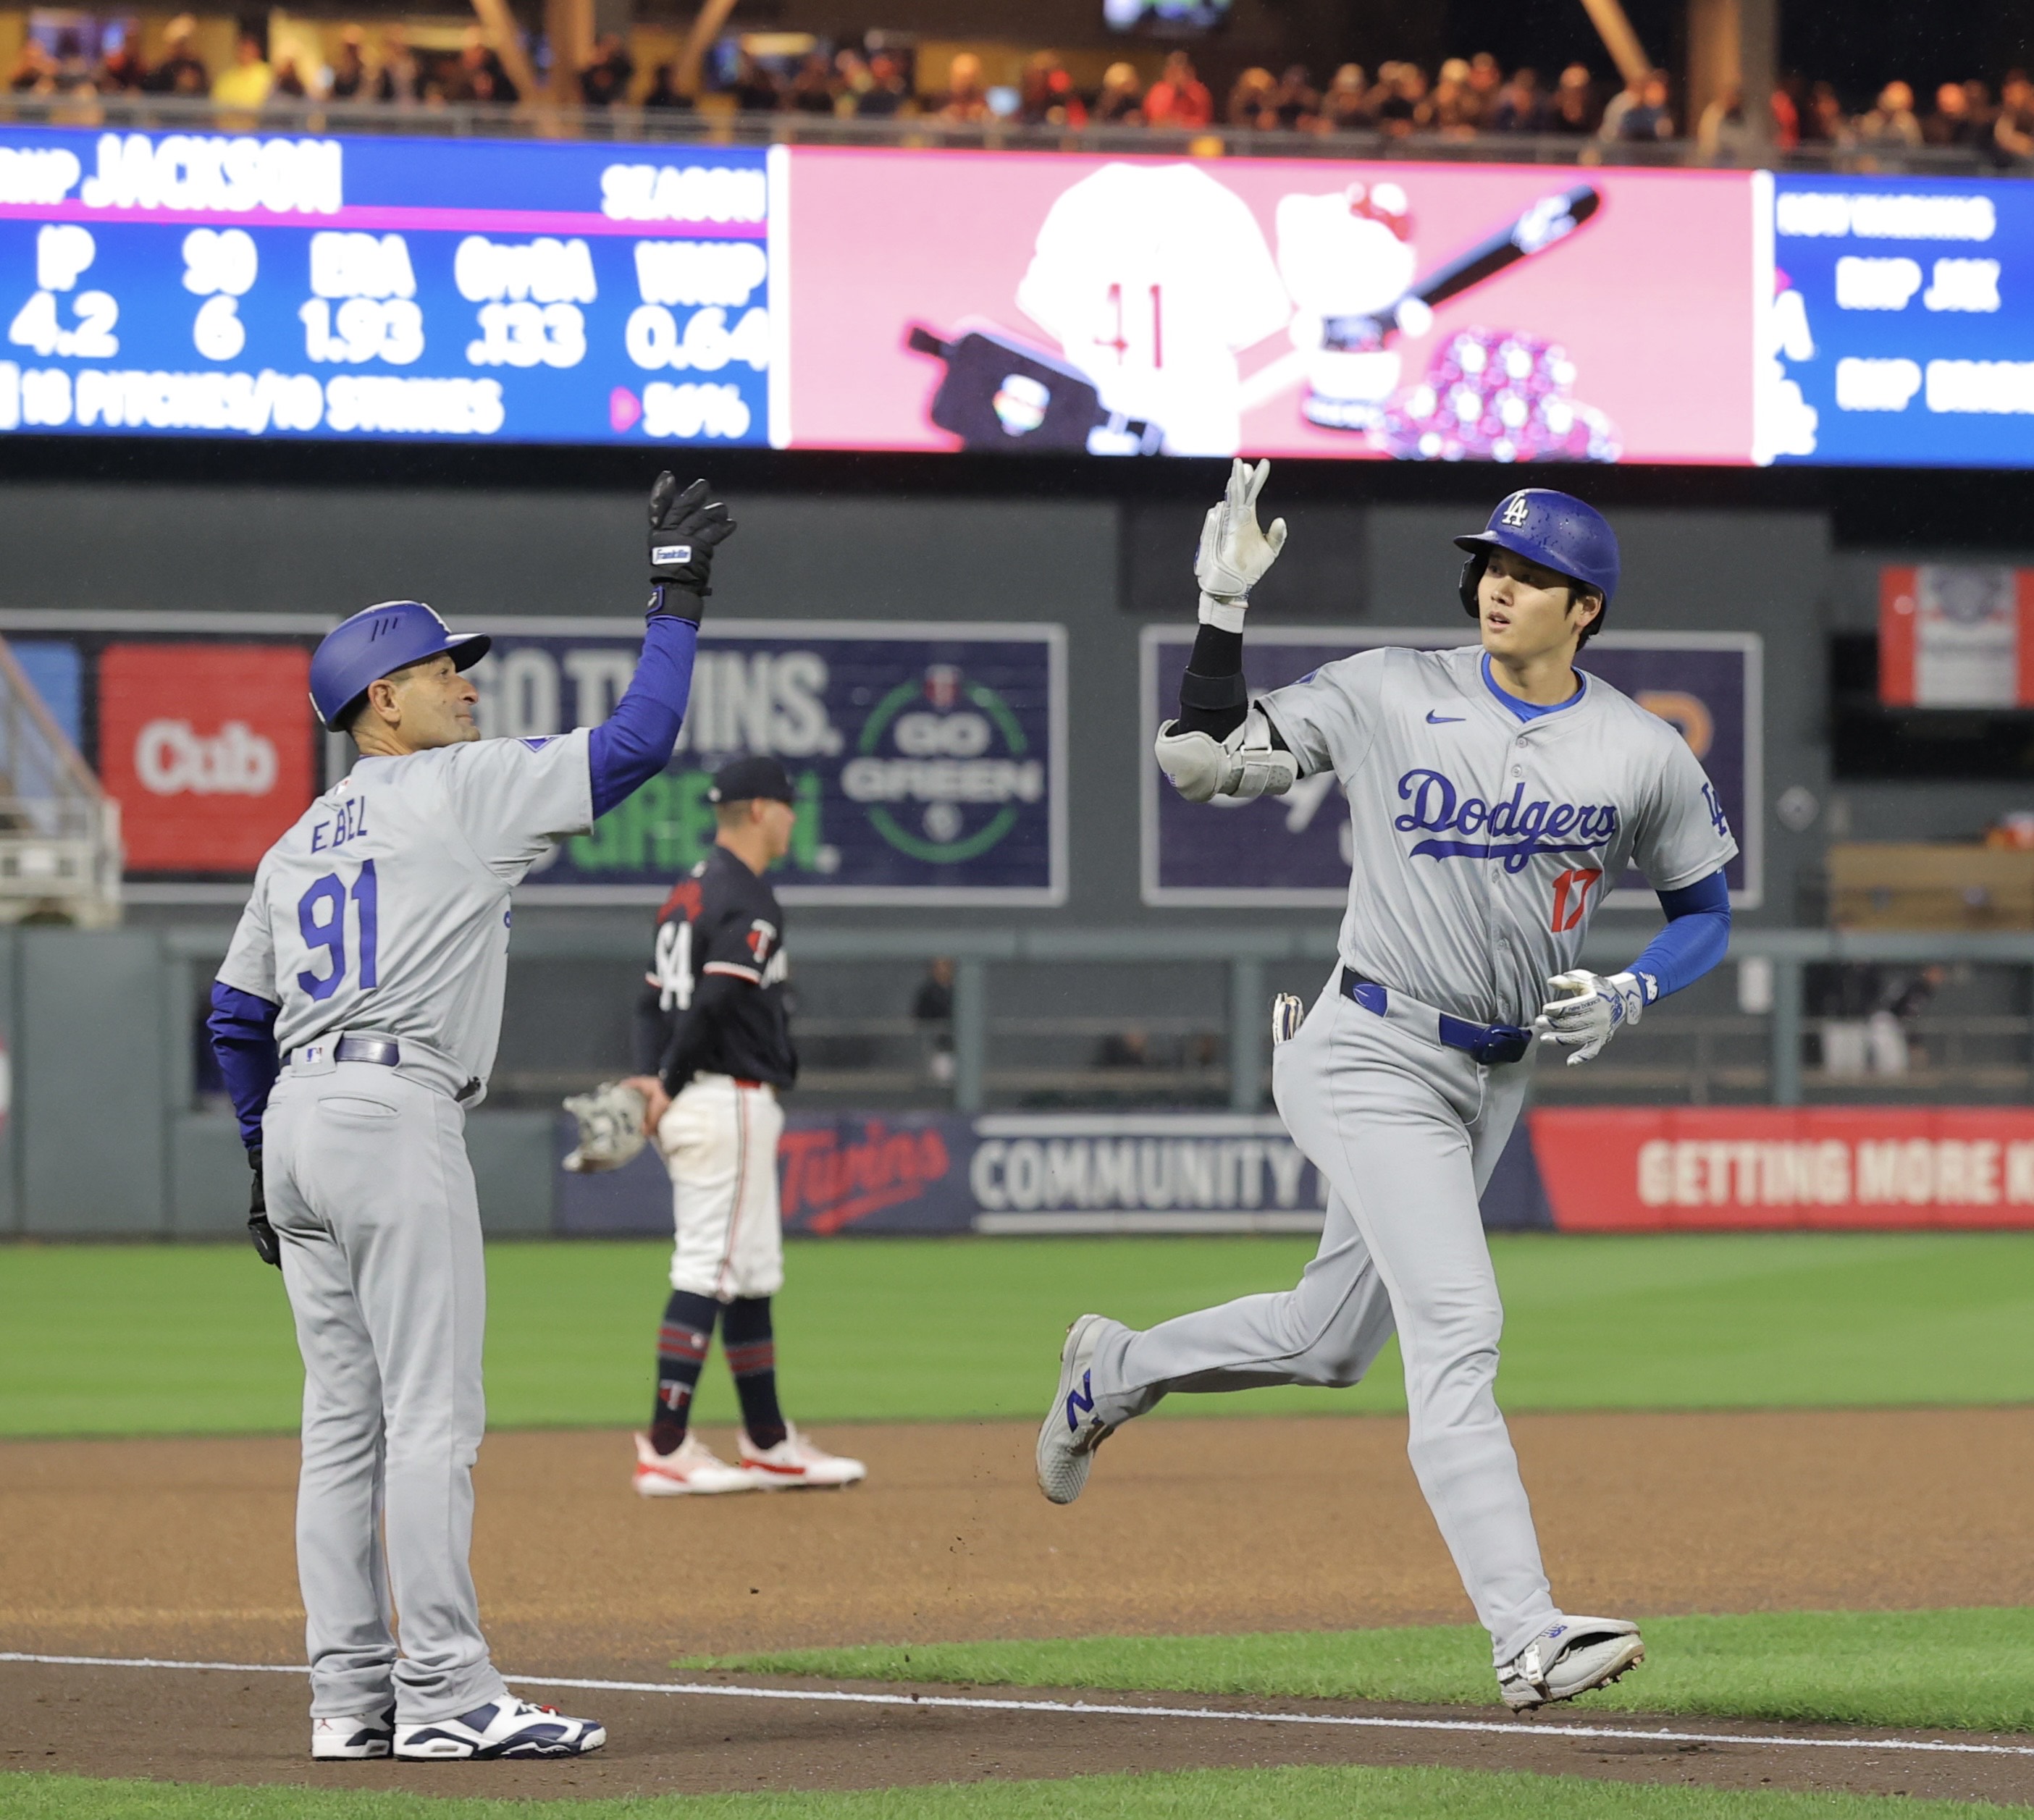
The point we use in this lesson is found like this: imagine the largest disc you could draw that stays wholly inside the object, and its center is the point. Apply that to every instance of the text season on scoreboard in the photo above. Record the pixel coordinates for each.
(220, 283)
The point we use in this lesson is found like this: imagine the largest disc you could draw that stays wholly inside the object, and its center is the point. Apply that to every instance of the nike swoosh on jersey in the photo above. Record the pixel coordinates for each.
(1434, 719)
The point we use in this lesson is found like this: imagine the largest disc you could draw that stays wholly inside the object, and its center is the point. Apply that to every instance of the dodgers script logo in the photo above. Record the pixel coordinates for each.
(1514, 830)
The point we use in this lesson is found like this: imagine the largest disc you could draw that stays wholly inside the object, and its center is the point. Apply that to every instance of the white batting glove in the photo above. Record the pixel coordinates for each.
(1234, 554)
(1586, 1009)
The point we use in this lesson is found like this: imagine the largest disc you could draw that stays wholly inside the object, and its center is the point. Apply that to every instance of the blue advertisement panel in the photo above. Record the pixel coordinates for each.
(929, 758)
(229, 284)
(1902, 323)
(1296, 850)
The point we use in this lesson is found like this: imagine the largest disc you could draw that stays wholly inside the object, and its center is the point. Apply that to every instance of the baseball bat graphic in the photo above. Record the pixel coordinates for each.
(1545, 223)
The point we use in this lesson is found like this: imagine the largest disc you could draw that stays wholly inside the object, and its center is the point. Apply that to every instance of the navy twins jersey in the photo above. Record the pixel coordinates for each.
(1484, 843)
(715, 997)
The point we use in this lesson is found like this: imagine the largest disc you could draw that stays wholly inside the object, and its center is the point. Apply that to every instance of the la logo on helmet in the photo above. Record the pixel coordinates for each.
(1517, 511)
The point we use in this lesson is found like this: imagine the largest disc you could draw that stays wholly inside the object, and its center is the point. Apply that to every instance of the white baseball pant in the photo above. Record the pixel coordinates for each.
(719, 1142)
(1406, 1134)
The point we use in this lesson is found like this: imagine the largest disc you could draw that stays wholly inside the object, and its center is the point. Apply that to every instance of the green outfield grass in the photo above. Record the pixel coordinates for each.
(1969, 1671)
(196, 1338)
(1309, 1794)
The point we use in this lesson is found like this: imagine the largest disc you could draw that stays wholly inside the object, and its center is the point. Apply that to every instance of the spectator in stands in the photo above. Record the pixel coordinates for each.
(605, 81)
(247, 83)
(1573, 112)
(1890, 125)
(400, 79)
(1647, 115)
(966, 104)
(35, 70)
(291, 83)
(1130, 1049)
(182, 71)
(1045, 95)
(664, 95)
(1787, 113)
(349, 74)
(1485, 78)
(1612, 126)
(1179, 98)
(1250, 101)
(1453, 109)
(1517, 108)
(851, 79)
(1120, 102)
(1951, 123)
(1723, 135)
(1982, 112)
(755, 90)
(811, 90)
(121, 69)
(2013, 130)
(1823, 121)
(1294, 105)
(888, 94)
(1344, 108)
(1406, 108)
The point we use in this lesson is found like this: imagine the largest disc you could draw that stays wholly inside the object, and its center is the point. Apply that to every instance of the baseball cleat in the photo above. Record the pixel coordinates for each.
(1570, 1656)
(1072, 1430)
(354, 1735)
(509, 1728)
(694, 1469)
(795, 1461)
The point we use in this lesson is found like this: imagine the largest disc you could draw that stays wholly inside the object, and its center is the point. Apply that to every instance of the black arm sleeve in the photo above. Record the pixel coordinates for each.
(649, 1028)
(683, 1053)
(1213, 697)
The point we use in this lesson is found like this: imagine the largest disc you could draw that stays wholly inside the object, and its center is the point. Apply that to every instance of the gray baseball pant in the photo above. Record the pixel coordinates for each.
(1405, 1134)
(371, 1194)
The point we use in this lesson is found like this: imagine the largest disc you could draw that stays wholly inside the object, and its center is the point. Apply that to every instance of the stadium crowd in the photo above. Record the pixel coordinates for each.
(1465, 98)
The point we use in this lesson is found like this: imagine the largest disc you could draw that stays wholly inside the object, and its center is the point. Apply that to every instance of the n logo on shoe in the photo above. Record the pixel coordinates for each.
(1083, 1400)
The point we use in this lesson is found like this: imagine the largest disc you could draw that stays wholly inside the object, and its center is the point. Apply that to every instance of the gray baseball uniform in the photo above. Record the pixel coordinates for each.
(1484, 842)
(382, 916)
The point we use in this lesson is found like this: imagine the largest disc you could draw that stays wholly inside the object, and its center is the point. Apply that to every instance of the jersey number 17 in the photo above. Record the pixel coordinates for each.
(321, 921)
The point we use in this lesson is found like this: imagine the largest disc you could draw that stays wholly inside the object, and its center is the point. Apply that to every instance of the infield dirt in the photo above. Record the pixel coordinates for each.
(183, 1549)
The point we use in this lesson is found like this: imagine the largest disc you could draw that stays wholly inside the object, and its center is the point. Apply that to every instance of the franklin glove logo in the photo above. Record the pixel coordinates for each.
(171, 758)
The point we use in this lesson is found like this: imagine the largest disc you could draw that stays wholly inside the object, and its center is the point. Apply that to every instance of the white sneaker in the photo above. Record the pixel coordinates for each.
(1071, 1430)
(692, 1469)
(356, 1734)
(795, 1461)
(509, 1728)
(1570, 1656)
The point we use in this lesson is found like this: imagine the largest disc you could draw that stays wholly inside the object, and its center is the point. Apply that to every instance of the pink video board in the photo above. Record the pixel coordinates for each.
(950, 301)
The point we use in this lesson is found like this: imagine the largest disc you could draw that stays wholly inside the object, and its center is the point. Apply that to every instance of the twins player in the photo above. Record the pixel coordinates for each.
(1494, 794)
(714, 1027)
(355, 1020)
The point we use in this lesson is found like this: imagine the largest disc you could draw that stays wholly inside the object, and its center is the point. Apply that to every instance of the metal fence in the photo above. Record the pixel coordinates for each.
(1046, 1017)
(543, 120)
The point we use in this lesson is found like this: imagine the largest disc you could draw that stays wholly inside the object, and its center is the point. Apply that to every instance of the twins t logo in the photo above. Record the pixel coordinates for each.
(1516, 510)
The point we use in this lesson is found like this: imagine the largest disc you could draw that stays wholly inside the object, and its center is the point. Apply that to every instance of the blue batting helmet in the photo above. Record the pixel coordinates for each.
(1556, 530)
(374, 643)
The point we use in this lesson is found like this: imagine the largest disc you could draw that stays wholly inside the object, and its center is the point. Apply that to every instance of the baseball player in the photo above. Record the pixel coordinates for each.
(355, 1020)
(1496, 792)
(713, 1034)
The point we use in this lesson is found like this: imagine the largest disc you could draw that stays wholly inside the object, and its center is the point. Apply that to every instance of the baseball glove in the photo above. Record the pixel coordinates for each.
(610, 1127)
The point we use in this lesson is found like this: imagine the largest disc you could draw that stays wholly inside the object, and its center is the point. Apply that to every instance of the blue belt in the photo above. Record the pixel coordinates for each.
(384, 1053)
(1492, 1045)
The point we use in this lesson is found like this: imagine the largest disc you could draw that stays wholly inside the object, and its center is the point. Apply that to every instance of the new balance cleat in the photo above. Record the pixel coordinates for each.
(1072, 1430)
(1570, 1656)
(509, 1728)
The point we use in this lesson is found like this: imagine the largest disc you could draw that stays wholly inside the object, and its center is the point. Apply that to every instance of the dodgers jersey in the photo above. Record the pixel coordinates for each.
(1484, 843)
(385, 908)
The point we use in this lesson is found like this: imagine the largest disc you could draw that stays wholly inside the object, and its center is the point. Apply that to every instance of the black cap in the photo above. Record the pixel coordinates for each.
(740, 780)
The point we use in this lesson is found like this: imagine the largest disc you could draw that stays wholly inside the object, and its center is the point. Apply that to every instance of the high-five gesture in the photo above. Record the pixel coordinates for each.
(684, 528)
(1234, 554)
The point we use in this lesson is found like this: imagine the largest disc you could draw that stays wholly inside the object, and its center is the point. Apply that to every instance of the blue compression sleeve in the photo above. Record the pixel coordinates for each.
(1698, 931)
(243, 1037)
(636, 741)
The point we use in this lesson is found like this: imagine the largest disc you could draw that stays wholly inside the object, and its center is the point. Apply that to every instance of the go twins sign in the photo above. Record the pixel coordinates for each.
(929, 760)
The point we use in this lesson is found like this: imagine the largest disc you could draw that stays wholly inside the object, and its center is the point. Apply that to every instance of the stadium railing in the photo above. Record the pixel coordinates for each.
(646, 125)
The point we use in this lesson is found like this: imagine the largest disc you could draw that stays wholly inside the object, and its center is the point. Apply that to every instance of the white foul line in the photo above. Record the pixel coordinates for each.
(1557, 1728)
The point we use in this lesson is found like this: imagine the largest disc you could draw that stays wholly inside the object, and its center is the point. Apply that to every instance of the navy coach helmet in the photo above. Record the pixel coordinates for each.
(375, 643)
(1556, 530)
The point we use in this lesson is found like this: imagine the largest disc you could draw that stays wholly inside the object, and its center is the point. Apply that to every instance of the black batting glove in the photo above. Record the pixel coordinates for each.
(684, 528)
(266, 1244)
